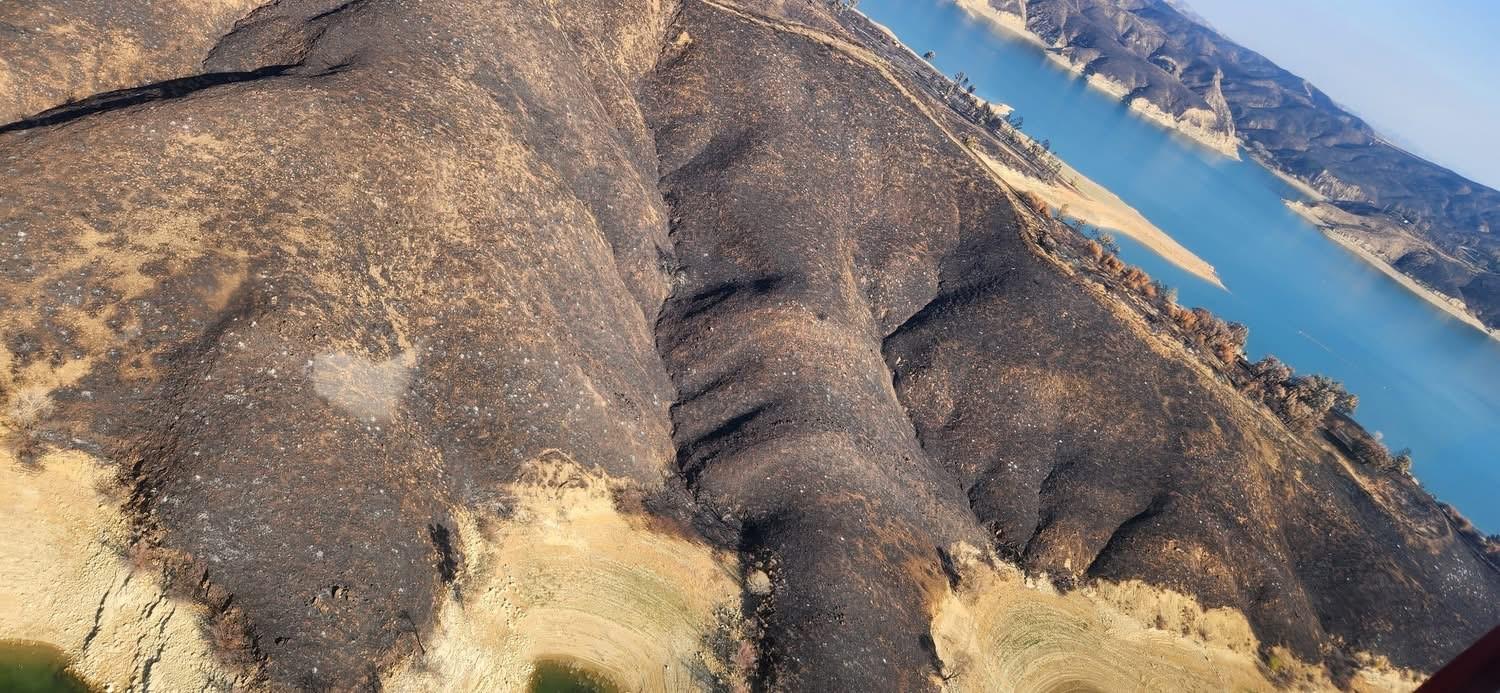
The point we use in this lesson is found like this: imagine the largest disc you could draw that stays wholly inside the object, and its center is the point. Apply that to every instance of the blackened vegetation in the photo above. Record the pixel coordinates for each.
(1305, 403)
(848, 351)
(726, 642)
(230, 630)
(1489, 545)
(957, 93)
(1040, 424)
(442, 543)
(124, 98)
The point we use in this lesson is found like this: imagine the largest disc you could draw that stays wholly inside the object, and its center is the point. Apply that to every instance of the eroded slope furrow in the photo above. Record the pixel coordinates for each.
(1089, 455)
(790, 269)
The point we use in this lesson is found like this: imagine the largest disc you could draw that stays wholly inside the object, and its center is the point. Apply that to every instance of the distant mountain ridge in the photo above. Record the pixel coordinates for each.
(1426, 220)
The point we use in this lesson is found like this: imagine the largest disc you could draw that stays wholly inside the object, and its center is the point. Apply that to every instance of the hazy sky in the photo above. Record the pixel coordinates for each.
(1425, 73)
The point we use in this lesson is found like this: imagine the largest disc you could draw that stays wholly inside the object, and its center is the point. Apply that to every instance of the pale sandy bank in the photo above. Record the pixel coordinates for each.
(1014, 23)
(1000, 631)
(1296, 184)
(1084, 198)
(1450, 305)
(1094, 204)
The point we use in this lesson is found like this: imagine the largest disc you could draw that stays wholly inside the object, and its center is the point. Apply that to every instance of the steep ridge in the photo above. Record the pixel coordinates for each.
(741, 399)
(395, 358)
(792, 273)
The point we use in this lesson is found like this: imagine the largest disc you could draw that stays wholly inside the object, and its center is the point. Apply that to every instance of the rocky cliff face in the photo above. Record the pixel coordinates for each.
(417, 343)
(1220, 92)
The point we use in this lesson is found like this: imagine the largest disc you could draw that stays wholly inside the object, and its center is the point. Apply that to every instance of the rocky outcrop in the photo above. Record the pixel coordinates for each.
(425, 344)
(1214, 95)
(1330, 186)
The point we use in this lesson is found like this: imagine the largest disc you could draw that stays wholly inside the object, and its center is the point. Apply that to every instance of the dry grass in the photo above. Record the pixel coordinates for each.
(569, 578)
(1000, 631)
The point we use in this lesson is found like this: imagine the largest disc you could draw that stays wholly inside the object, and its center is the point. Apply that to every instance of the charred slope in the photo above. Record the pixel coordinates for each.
(318, 321)
(317, 310)
(1177, 64)
(1079, 448)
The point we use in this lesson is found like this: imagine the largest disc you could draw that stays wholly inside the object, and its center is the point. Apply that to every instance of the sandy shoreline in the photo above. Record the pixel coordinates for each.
(1005, 20)
(1296, 184)
(1220, 143)
(1095, 204)
(1084, 198)
(1452, 306)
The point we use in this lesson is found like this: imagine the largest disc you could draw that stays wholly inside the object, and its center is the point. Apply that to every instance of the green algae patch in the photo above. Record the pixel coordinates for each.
(561, 677)
(33, 667)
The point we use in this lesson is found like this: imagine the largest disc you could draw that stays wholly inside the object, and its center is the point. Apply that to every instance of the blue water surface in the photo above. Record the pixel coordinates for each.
(1425, 380)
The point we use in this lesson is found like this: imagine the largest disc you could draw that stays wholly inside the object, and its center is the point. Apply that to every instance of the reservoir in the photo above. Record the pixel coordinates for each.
(1425, 380)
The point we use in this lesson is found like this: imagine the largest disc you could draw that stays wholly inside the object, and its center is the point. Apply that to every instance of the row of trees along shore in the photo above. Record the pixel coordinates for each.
(1305, 403)
(958, 93)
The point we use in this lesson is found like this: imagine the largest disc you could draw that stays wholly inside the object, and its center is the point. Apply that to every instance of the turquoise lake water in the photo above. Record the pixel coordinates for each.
(1425, 380)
